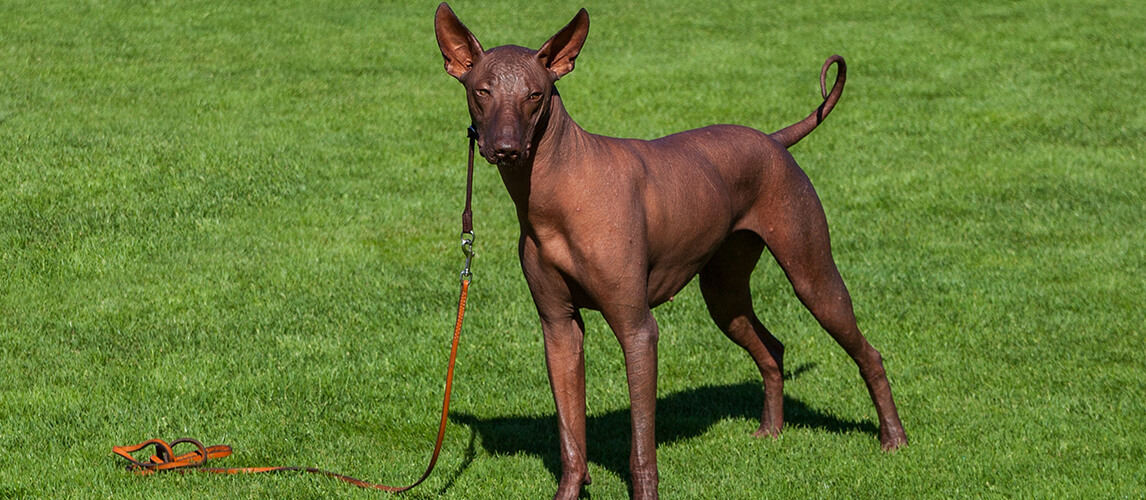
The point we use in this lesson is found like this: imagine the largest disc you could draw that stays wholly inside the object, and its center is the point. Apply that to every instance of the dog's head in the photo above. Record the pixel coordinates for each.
(509, 88)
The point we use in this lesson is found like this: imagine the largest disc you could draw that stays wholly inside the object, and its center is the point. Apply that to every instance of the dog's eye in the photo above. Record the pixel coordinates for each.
(481, 92)
(535, 96)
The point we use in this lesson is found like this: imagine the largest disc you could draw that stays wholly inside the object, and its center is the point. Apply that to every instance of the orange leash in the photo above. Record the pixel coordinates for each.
(165, 459)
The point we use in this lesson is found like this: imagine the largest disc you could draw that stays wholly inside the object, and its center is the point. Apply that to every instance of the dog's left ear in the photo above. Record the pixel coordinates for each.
(560, 51)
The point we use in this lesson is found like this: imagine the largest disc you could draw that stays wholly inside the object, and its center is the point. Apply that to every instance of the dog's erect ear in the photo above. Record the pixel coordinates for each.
(459, 47)
(560, 51)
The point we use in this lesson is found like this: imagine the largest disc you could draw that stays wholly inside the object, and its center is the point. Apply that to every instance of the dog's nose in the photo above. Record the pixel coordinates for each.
(506, 151)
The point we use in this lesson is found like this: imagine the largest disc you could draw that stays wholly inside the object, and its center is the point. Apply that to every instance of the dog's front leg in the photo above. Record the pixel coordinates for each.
(565, 361)
(637, 331)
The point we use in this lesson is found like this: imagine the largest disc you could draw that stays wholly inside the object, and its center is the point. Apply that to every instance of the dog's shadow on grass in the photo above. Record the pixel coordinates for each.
(680, 416)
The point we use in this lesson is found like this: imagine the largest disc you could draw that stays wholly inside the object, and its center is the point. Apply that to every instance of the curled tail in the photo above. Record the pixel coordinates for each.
(793, 133)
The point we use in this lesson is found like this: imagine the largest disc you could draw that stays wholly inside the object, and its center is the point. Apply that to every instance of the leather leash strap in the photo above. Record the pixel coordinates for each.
(165, 459)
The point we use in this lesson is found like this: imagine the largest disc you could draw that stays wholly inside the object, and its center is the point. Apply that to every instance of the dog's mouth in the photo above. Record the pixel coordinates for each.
(491, 158)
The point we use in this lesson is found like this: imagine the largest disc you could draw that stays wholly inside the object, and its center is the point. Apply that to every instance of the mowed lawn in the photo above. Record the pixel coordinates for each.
(238, 222)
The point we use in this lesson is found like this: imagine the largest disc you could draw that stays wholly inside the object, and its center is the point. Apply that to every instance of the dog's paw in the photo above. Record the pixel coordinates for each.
(893, 439)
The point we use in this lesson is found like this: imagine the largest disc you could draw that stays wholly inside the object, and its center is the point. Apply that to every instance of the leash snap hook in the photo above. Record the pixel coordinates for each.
(468, 250)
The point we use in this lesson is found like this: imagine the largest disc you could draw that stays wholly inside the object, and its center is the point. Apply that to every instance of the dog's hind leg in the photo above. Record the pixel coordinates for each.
(797, 235)
(724, 282)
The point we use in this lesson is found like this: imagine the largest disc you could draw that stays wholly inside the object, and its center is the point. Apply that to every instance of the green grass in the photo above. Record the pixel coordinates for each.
(237, 222)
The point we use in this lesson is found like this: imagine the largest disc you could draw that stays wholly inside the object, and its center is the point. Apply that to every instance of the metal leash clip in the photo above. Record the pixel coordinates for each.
(468, 250)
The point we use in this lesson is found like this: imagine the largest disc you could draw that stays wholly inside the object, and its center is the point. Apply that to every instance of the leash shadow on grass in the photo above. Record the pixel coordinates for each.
(680, 416)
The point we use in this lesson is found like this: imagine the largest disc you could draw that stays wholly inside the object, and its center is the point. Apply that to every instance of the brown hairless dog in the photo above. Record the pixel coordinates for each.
(621, 225)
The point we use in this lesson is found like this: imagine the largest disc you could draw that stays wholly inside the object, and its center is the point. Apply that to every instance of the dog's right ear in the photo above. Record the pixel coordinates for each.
(459, 47)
